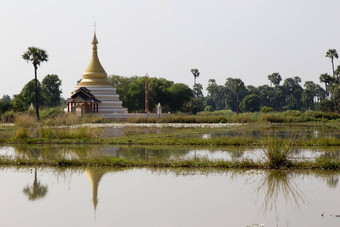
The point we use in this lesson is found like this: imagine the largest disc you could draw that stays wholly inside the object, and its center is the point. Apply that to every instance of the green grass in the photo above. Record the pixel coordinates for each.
(200, 163)
(84, 137)
(226, 116)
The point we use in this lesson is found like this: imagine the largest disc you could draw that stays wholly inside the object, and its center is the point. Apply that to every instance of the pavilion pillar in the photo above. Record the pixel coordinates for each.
(68, 107)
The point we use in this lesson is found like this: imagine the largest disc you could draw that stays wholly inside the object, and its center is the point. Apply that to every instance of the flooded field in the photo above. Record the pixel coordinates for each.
(257, 131)
(41, 196)
(176, 197)
(163, 153)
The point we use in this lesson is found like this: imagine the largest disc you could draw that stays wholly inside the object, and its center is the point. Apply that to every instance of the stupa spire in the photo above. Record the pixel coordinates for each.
(94, 73)
(94, 41)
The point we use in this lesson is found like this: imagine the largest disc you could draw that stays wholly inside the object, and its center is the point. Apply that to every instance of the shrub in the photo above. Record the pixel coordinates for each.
(274, 118)
(266, 109)
(21, 133)
(51, 112)
(8, 117)
(209, 108)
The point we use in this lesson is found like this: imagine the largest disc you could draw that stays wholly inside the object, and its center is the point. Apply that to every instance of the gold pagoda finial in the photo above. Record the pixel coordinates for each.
(94, 73)
(94, 41)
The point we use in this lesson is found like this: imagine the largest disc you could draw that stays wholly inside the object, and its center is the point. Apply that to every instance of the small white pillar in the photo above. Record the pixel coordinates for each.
(159, 109)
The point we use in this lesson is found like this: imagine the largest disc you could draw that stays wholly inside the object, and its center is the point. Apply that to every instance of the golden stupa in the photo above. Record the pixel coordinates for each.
(94, 73)
(95, 80)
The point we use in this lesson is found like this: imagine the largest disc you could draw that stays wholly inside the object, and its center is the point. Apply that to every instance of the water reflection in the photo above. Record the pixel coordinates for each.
(144, 197)
(332, 180)
(155, 153)
(303, 131)
(276, 184)
(36, 190)
(95, 175)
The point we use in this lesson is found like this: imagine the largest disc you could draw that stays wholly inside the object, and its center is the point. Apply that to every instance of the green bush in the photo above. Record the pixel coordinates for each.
(266, 109)
(51, 112)
(8, 117)
(209, 108)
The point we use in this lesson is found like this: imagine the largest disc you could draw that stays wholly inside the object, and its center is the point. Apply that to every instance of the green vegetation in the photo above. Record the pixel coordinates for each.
(131, 90)
(35, 56)
(227, 116)
(106, 161)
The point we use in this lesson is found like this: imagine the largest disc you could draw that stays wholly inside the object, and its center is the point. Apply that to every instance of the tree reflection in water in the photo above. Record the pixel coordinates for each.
(332, 180)
(279, 184)
(36, 191)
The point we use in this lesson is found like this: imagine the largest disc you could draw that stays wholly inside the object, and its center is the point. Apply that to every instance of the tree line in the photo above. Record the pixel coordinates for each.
(290, 95)
(234, 95)
(48, 95)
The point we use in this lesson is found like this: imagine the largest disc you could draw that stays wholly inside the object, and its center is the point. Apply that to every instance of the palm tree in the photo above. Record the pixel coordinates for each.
(196, 74)
(237, 86)
(327, 79)
(274, 78)
(35, 56)
(337, 73)
(331, 53)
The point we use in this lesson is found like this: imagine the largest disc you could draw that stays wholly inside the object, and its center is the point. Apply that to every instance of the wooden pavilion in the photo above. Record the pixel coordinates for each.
(82, 99)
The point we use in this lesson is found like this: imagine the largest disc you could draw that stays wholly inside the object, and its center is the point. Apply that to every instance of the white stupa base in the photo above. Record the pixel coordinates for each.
(110, 103)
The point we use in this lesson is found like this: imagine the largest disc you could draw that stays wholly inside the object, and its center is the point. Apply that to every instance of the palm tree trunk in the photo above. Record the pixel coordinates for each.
(36, 92)
(333, 66)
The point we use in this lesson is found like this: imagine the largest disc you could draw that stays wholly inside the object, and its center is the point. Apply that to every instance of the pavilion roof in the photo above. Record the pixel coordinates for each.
(84, 94)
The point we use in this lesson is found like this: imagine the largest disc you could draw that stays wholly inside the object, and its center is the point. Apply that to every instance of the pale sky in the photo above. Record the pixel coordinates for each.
(247, 39)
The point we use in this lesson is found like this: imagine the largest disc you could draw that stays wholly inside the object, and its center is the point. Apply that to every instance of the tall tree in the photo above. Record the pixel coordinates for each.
(196, 74)
(35, 56)
(250, 103)
(327, 79)
(236, 86)
(217, 94)
(293, 92)
(29, 92)
(309, 94)
(50, 87)
(337, 73)
(331, 53)
(274, 78)
(198, 90)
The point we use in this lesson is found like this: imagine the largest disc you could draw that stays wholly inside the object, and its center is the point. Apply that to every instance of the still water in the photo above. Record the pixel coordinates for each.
(159, 152)
(167, 197)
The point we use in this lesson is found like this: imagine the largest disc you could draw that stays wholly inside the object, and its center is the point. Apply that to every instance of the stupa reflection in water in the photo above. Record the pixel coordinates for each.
(95, 175)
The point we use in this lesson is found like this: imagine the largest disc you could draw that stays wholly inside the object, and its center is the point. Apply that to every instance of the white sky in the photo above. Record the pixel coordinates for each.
(246, 39)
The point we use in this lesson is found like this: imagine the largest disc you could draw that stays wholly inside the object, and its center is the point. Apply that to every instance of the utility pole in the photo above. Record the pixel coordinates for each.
(146, 93)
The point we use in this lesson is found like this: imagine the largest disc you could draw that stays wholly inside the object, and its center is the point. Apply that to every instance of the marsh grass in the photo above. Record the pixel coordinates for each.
(82, 133)
(277, 152)
(26, 126)
(107, 161)
(27, 129)
(227, 116)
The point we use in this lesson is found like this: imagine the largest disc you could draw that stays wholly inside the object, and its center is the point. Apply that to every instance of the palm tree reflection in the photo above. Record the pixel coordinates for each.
(332, 181)
(36, 191)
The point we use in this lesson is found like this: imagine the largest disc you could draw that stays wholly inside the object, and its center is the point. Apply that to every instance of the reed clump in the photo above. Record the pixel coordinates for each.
(26, 126)
(278, 152)
(81, 133)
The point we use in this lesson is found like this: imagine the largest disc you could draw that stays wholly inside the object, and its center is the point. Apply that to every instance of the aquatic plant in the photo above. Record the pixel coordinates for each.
(277, 153)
